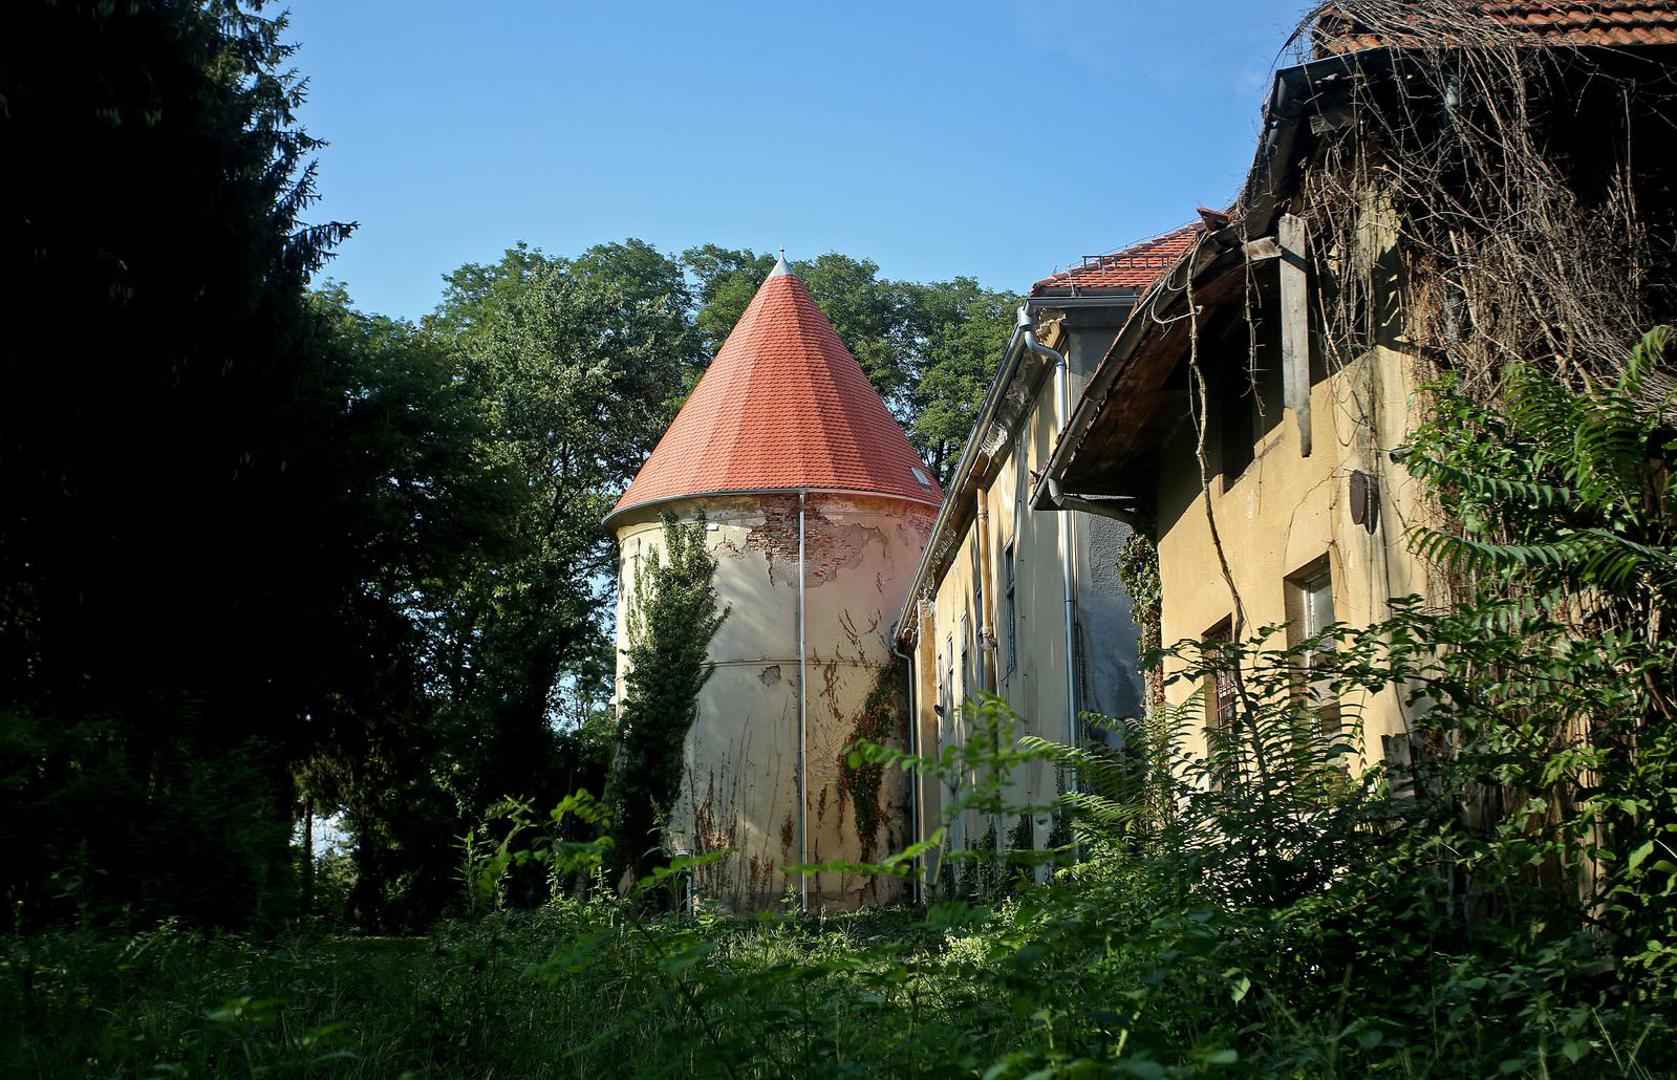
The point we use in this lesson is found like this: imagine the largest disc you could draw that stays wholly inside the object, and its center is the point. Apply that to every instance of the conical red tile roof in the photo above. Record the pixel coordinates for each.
(783, 406)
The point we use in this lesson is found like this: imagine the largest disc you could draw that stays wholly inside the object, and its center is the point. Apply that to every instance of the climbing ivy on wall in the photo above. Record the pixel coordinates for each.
(672, 620)
(884, 720)
(1138, 570)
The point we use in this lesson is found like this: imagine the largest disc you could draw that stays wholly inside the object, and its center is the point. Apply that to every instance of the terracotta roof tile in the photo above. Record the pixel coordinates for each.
(1538, 22)
(782, 406)
(1136, 267)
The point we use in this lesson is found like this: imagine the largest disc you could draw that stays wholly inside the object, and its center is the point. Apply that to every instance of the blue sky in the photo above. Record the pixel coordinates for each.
(997, 139)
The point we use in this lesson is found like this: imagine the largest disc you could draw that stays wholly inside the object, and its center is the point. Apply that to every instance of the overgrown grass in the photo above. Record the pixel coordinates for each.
(1503, 902)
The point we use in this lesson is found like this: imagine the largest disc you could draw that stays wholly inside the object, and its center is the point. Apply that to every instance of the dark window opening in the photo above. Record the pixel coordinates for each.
(1221, 705)
(1012, 609)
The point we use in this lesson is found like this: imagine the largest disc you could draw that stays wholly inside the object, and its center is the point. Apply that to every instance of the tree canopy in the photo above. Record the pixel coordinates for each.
(267, 557)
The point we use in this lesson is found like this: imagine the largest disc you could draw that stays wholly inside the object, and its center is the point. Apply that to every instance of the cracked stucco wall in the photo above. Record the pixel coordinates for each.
(742, 754)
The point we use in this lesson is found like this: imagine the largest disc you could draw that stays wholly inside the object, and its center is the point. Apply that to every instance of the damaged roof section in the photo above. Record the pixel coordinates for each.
(1134, 268)
(1373, 24)
(1130, 398)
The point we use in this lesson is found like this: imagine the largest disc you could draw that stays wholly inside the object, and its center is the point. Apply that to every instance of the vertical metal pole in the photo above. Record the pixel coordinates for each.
(1067, 557)
(803, 721)
(1067, 584)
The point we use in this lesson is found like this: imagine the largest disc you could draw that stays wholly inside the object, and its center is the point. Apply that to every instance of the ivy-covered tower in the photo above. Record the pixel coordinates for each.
(817, 509)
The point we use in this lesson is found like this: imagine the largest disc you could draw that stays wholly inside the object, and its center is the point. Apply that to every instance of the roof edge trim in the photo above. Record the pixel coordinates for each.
(721, 493)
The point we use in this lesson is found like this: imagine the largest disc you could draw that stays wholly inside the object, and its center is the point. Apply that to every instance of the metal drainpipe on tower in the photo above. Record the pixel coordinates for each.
(1064, 375)
(913, 751)
(803, 718)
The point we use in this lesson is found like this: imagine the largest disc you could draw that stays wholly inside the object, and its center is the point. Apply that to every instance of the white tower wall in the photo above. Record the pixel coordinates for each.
(742, 759)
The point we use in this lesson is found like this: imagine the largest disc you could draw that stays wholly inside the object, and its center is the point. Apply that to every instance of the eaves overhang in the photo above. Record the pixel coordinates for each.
(1015, 375)
(1150, 336)
(614, 519)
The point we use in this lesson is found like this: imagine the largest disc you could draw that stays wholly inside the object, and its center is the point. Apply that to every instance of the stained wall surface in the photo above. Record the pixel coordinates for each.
(995, 622)
(741, 787)
(1286, 516)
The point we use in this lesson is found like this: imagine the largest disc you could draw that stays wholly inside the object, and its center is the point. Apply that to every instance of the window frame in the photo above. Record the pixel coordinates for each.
(1010, 569)
(1221, 700)
(1313, 580)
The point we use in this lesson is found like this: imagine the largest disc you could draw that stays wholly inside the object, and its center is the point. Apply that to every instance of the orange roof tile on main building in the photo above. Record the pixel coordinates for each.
(783, 407)
(1535, 22)
(1134, 268)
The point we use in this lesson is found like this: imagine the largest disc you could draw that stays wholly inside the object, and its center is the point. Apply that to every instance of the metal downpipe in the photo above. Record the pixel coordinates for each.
(1066, 557)
(803, 721)
(914, 824)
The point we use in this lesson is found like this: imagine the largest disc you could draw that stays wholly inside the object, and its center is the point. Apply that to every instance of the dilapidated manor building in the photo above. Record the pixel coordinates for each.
(1441, 189)
(1009, 600)
(817, 509)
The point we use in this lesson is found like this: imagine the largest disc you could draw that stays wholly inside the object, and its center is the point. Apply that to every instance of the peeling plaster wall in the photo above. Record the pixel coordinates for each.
(1031, 675)
(742, 754)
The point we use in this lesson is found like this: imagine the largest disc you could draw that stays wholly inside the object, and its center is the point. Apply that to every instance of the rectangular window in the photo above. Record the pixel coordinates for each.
(949, 679)
(1237, 433)
(1312, 612)
(1012, 608)
(968, 683)
(1221, 703)
(1245, 391)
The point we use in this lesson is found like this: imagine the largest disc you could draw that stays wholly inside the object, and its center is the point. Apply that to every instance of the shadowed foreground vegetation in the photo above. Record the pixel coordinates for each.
(266, 559)
(1499, 904)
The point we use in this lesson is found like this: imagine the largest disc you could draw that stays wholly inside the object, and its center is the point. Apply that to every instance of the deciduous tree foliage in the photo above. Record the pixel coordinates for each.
(573, 367)
(264, 555)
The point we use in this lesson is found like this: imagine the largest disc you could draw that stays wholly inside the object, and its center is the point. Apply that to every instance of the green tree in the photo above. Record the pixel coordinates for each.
(179, 567)
(672, 619)
(573, 368)
(432, 504)
(960, 330)
(727, 279)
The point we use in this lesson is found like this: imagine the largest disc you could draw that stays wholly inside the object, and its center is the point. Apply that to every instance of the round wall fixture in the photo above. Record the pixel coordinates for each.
(1365, 501)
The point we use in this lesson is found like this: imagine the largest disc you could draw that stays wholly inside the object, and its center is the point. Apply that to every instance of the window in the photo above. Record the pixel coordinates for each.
(921, 477)
(1012, 608)
(1221, 704)
(1238, 432)
(1245, 387)
(1316, 592)
(968, 683)
(949, 679)
(1312, 612)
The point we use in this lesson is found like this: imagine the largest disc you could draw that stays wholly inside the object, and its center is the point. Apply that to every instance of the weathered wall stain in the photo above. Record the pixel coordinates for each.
(829, 547)
(741, 791)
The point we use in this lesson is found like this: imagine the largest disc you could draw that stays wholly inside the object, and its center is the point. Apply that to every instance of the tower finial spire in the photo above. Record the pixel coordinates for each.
(780, 265)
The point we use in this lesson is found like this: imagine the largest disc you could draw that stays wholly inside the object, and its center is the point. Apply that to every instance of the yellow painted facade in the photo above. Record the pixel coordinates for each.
(1287, 520)
(1307, 537)
(992, 610)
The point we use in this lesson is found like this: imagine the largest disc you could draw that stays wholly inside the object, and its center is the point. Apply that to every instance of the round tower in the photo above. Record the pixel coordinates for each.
(817, 509)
